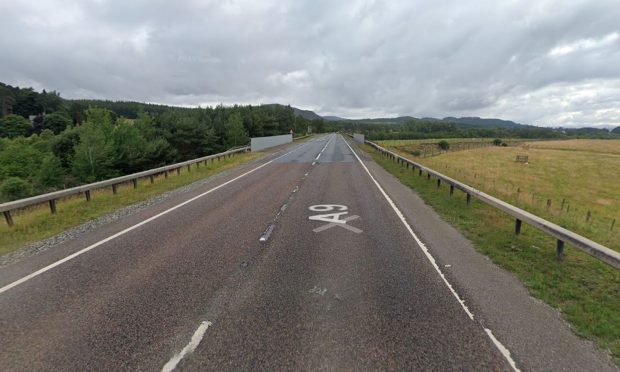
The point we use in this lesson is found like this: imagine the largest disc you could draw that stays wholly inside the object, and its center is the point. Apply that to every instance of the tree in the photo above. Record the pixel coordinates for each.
(51, 173)
(56, 122)
(497, 142)
(76, 111)
(12, 126)
(19, 159)
(236, 135)
(93, 159)
(15, 188)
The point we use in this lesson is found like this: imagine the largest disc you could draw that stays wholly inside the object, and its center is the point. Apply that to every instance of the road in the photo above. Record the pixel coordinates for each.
(300, 261)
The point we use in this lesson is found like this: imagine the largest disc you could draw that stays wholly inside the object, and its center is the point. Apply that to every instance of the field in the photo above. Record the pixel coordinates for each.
(585, 290)
(37, 223)
(573, 183)
(598, 146)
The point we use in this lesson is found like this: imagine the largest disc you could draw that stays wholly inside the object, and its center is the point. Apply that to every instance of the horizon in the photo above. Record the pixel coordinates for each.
(548, 64)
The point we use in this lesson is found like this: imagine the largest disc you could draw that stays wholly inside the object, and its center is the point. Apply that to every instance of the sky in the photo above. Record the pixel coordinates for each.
(549, 63)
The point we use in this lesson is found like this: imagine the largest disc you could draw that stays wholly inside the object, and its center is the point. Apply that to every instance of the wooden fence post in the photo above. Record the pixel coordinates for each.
(517, 226)
(8, 218)
(53, 206)
(87, 194)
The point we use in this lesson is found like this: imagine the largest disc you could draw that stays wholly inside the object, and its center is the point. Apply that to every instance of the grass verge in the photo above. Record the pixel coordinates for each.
(586, 291)
(36, 223)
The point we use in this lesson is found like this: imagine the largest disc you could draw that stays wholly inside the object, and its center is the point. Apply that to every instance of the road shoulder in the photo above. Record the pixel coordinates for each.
(535, 333)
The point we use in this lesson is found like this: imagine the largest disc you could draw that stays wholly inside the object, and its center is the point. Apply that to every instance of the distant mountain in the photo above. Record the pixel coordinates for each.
(333, 118)
(616, 130)
(306, 114)
(484, 123)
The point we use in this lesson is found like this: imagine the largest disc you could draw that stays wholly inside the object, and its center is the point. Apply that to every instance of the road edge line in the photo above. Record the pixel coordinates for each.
(502, 349)
(139, 224)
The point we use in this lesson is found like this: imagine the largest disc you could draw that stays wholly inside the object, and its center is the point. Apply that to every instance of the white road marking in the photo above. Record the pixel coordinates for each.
(125, 231)
(344, 225)
(189, 348)
(323, 149)
(503, 350)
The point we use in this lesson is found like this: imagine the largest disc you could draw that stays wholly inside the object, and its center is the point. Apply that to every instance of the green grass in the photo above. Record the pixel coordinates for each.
(585, 180)
(586, 291)
(36, 223)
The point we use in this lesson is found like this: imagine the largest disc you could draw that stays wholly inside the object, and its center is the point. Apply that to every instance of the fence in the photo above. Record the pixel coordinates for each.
(562, 235)
(51, 198)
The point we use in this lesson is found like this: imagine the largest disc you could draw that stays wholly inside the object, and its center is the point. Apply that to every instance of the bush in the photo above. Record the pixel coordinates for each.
(15, 188)
(504, 144)
(444, 145)
(416, 153)
(497, 142)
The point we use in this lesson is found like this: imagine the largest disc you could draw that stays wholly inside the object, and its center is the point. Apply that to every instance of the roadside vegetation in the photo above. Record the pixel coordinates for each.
(574, 183)
(586, 291)
(36, 223)
(48, 143)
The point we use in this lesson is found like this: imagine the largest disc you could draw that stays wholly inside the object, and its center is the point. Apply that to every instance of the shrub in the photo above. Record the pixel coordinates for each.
(497, 142)
(15, 188)
(444, 145)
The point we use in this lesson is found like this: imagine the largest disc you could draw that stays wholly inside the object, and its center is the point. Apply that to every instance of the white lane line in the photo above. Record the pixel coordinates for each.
(432, 260)
(125, 231)
(323, 149)
(189, 348)
(502, 349)
(415, 237)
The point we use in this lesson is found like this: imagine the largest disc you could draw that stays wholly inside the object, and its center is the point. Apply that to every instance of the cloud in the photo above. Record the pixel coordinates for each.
(544, 62)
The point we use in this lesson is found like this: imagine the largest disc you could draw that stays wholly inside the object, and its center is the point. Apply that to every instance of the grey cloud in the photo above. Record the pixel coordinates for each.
(355, 58)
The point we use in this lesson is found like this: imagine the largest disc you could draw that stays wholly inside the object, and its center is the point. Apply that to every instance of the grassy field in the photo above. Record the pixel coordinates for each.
(583, 145)
(559, 185)
(37, 223)
(420, 141)
(586, 291)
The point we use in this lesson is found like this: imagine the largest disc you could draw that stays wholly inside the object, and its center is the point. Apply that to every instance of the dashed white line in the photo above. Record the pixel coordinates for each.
(503, 350)
(323, 149)
(125, 231)
(189, 348)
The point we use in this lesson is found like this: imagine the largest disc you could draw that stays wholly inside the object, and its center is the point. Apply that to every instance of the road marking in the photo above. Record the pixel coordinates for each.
(317, 290)
(343, 225)
(323, 149)
(125, 231)
(502, 349)
(189, 348)
(328, 217)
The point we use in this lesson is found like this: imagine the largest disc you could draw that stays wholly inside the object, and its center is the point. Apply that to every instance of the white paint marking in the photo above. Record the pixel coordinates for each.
(125, 231)
(344, 225)
(415, 237)
(503, 350)
(323, 149)
(189, 348)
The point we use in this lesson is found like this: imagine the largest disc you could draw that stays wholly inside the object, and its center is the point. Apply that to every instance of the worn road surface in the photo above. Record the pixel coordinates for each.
(313, 258)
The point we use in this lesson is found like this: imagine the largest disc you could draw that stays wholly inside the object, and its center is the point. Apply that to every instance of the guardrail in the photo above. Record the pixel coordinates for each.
(52, 197)
(562, 235)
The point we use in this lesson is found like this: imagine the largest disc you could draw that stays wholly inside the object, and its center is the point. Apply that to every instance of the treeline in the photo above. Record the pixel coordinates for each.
(77, 142)
(432, 129)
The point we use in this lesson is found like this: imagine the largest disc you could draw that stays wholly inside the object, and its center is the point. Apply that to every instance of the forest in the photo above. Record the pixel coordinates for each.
(435, 129)
(49, 143)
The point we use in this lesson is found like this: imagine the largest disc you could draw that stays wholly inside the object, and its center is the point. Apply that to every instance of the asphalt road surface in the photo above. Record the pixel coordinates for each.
(312, 258)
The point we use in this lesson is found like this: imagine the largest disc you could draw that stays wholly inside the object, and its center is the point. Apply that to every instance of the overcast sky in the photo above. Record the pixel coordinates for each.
(543, 62)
